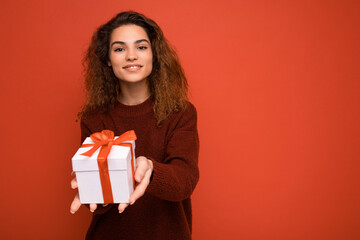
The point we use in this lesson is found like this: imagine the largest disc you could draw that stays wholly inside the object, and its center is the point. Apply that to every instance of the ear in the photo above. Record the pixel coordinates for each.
(109, 63)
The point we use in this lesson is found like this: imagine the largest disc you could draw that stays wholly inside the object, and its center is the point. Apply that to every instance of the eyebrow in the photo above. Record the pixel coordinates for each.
(123, 43)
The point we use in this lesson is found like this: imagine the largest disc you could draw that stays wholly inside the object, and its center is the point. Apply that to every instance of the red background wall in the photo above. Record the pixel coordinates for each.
(276, 85)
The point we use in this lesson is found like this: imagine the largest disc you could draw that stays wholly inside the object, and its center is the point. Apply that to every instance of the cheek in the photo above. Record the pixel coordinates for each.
(150, 66)
(150, 61)
(116, 65)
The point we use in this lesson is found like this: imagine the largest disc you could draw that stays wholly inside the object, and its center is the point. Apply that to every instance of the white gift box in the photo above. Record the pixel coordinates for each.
(120, 173)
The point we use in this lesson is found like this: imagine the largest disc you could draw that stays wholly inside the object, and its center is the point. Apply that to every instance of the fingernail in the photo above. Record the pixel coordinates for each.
(72, 212)
(132, 202)
(120, 211)
(91, 210)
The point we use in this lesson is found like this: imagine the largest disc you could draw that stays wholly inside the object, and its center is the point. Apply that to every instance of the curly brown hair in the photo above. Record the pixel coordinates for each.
(167, 82)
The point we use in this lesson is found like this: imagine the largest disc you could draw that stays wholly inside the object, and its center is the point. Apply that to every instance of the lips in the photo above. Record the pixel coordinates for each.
(132, 67)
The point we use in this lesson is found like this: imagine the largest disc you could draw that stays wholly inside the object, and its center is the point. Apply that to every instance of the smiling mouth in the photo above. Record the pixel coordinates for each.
(132, 67)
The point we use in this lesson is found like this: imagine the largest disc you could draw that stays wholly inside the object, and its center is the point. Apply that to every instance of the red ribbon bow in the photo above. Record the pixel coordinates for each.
(105, 140)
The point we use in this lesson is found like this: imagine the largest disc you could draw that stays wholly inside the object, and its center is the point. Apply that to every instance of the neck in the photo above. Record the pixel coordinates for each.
(133, 93)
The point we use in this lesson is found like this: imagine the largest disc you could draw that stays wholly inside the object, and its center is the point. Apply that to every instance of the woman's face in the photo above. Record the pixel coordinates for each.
(130, 54)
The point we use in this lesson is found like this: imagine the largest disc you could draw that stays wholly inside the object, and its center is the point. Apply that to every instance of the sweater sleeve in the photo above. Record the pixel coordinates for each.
(176, 177)
(88, 126)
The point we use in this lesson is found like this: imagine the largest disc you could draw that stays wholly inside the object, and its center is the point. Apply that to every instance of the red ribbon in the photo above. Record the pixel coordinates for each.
(105, 140)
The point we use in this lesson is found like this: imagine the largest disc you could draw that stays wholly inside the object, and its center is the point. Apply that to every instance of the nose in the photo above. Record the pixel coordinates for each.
(131, 55)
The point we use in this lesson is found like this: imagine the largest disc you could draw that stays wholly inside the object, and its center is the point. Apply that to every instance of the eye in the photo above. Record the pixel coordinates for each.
(118, 49)
(142, 47)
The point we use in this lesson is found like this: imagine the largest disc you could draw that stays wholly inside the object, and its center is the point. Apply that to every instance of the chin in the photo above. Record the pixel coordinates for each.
(132, 80)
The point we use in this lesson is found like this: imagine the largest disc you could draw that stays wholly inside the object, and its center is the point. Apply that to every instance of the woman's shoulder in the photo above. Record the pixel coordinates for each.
(186, 118)
(189, 110)
(190, 107)
(92, 121)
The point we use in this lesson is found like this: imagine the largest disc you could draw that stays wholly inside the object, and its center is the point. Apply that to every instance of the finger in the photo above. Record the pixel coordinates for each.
(74, 183)
(93, 207)
(141, 167)
(75, 205)
(122, 207)
(140, 188)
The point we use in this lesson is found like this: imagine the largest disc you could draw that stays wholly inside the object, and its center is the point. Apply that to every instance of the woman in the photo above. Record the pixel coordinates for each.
(134, 81)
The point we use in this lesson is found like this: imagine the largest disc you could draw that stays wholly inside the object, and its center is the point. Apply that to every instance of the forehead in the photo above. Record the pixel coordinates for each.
(128, 33)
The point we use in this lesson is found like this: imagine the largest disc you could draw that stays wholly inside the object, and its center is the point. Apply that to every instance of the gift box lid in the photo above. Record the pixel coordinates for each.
(119, 158)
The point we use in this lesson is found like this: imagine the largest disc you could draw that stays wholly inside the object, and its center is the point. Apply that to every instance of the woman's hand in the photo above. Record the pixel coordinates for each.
(144, 169)
(75, 205)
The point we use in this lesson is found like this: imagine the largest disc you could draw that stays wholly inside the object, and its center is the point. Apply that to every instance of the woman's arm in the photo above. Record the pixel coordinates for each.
(176, 178)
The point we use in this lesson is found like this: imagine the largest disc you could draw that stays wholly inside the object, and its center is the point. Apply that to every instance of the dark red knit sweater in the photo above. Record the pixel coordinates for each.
(164, 212)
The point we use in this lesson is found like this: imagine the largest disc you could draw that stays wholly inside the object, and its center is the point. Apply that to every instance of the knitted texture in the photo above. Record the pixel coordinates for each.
(164, 211)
